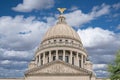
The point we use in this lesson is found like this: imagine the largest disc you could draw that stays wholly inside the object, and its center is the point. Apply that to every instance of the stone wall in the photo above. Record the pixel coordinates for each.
(11, 78)
(57, 78)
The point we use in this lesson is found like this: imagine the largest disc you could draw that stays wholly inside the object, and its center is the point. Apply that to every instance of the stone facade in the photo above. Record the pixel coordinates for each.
(12, 79)
(60, 56)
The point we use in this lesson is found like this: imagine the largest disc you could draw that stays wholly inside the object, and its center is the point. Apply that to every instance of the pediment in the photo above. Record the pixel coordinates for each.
(58, 68)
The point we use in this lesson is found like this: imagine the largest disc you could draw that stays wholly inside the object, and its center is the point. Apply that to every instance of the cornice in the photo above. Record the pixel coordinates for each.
(57, 61)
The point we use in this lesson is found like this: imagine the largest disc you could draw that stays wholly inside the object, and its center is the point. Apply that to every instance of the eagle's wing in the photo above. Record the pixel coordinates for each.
(61, 9)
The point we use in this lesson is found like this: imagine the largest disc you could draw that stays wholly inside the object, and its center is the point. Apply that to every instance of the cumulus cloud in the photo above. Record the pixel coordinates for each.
(19, 37)
(26, 32)
(29, 5)
(77, 17)
(101, 46)
(97, 37)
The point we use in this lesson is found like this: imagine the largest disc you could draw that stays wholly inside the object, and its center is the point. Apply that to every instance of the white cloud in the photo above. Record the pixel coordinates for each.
(19, 37)
(5, 62)
(99, 66)
(118, 27)
(116, 6)
(97, 37)
(8, 62)
(10, 73)
(22, 54)
(26, 32)
(77, 17)
(101, 73)
(101, 46)
(29, 5)
(73, 8)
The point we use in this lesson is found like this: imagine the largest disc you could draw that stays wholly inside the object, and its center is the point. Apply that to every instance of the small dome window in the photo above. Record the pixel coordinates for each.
(60, 40)
(55, 41)
(66, 41)
(49, 41)
(71, 41)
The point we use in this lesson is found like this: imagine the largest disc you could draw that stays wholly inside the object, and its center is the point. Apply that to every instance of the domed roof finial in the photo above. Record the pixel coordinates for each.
(61, 18)
(61, 10)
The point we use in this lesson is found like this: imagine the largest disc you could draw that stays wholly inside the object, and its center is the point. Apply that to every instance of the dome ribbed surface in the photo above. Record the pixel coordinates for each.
(61, 31)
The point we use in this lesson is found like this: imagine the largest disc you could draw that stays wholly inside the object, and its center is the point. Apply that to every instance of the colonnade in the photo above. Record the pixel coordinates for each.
(71, 57)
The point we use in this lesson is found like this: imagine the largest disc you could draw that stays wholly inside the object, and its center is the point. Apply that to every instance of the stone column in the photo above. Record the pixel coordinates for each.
(63, 55)
(82, 61)
(70, 57)
(44, 58)
(50, 58)
(77, 59)
(39, 60)
(56, 54)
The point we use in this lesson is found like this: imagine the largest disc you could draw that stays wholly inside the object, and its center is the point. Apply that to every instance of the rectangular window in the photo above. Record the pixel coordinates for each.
(83, 59)
(41, 62)
(60, 57)
(48, 60)
(79, 63)
(72, 60)
(66, 59)
(37, 59)
(54, 57)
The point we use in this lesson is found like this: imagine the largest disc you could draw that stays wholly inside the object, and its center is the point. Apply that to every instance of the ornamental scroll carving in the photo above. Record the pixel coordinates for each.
(58, 68)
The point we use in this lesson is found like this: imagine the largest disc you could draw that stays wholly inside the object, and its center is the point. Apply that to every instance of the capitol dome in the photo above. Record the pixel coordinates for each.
(63, 43)
(60, 55)
(61, 30)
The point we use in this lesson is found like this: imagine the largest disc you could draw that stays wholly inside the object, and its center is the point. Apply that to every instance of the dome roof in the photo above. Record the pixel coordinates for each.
(61, 30)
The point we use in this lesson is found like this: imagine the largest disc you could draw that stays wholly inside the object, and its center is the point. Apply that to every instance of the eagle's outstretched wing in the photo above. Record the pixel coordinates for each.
(61, 10)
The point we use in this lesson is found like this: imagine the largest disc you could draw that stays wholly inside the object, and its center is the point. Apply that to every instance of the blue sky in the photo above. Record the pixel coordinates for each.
(24, 22)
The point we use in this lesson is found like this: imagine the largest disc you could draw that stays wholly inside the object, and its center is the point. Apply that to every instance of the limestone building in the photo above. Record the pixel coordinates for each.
(60, 56)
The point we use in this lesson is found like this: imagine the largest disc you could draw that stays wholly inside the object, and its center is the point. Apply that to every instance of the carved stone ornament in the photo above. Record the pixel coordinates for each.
(58, 67)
